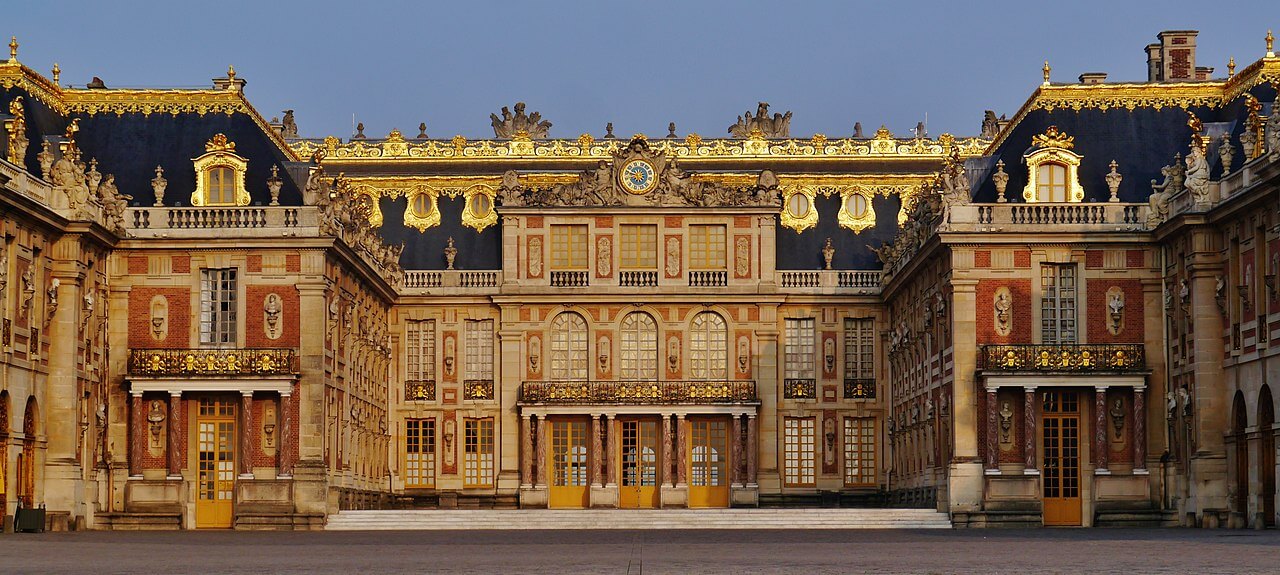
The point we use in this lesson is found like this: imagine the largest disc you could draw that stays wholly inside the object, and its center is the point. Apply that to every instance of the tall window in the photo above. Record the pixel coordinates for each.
(220, 186)
(218, 306)
(420, 348)
(1058, 304)
(639, 347)
(859, 450)
(478, 452)
(420, 453)
(479, 338)
(799, 349)
(708, 351)
(859, 351)
(798, 444)
(1051, 183)
(706, 247)
(569, 347)
(639, 247)
(569, 247)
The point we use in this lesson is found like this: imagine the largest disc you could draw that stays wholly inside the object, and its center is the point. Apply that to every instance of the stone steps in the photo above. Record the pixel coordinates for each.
(638, 519)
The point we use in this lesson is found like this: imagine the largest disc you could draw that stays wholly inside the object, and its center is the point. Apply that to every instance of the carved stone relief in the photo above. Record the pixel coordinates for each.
(1006, 425)
(535, 354)
(604, 256)
(535, 257)
(673, 354)
(450, 347)
(742, 257)
(602, 354)
(450, 434)
(1003, 305)
(1115, 310)
(673, 257)
(829, 436)
(159, 318)
(829, 355)
(761, 124)
(155, 424)
(269, 426)
(744, 354)
(272, 316)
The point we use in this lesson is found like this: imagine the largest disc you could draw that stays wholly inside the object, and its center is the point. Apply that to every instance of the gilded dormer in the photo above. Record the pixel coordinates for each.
(220, 175)
(1052, 169)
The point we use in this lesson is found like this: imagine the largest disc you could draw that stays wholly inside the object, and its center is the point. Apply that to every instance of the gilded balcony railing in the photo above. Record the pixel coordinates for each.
(182, 362)
(859, 389)
(637, 392)
(796, 388)
(1083, 357)
(420, 390)
(477, 389)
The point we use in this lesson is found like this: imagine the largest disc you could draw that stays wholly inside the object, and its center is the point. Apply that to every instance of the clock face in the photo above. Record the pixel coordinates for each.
(638, 177)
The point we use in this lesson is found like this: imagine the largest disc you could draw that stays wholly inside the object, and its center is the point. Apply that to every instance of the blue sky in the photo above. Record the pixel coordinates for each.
(638, 64)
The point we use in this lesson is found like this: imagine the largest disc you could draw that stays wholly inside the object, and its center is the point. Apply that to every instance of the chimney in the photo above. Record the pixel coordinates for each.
(1093, 77)
(1204, 72)
(1173, 58)
(1155, 68)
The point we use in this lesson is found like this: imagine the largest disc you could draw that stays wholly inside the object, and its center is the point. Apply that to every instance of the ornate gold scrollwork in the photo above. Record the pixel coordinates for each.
(855, 210)
(1053, 148)
(422, 211)
(478, 211)
(219, 153)
(798, 211)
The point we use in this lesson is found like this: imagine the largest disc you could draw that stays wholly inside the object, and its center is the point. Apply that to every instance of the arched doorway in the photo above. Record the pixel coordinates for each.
(27, 459)
(1267, 456)
(1239, 420)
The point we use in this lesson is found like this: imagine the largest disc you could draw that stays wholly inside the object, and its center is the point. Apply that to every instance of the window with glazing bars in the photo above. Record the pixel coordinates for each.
(639, 247)
(478, 448)
(1058, 304)
(706, 247)
(639, 347)
(569, 347)
(799, 349)
(569, 247)
(708, 351)
(218, 306)
(419, 453)
(479, 339)
(859, 450)
(420, 348)
(798, 444)
(859, 350)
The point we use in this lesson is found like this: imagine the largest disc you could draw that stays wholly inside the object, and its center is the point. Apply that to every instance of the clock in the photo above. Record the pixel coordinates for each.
(638, 177)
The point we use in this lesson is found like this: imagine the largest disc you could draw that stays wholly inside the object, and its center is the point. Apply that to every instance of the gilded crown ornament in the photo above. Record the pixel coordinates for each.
(1270, 41)
(219, 143)
(1046, 70)
(13, 49)
(57, 73)
(1231, 67)
(1053, 138)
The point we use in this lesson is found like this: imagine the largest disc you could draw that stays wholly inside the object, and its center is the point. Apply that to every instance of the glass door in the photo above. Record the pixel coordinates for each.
(639, 457)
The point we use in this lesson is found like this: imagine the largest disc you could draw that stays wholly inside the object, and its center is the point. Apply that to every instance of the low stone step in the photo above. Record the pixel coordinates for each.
(639, 519)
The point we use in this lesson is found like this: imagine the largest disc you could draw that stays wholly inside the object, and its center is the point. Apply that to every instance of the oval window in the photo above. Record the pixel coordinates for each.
(480, 205)
(421, 205)
(798, 205)
(857, 205)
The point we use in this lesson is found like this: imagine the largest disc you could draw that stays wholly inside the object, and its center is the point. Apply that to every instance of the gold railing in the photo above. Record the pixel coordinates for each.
(420, 390)
(477, 389)
(797, 388)
(243, 361)
(859, 389)
(637, 392)
(1068, 357)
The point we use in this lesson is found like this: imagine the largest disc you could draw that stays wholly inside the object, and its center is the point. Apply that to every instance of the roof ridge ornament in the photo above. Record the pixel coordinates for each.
(13, 49)
(761, 125)
(1053, 138)
(511, 124)
(1046, 70)
(219, 143)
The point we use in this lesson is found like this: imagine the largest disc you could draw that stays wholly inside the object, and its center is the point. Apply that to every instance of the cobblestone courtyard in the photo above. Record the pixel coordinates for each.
(635, 552)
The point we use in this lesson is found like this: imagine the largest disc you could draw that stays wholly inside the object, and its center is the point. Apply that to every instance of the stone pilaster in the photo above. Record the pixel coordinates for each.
(526, 451)
(1100, 458)
(964, 482)
(288, 438)
(611, 447)
(137, 434)
(752, 448)
(1030, 414)
(507, 378)
(173, 452)
(1207, 484)
(246, 435)
(63, 479)
(1139, 431)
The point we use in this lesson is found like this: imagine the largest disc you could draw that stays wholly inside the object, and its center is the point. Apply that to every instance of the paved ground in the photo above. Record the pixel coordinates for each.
(637, 552)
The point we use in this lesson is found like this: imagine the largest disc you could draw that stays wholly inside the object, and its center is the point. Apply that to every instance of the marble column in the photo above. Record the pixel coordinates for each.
(682, 442)
(1030, 414)
(288, 437)
(735, 475)
(173, 453)
(1139, 430)
(540, 451)
(137, 434)
(246, 435)
(595, 471)
(611, 447)
(526, 451)
(753, 448)
(1100, 431)
(668, 451)
(990, 445)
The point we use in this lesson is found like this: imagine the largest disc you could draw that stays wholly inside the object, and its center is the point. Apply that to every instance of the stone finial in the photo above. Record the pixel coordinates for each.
(158, 184)
(1226, 152)
(231, 72)
(1113, 182)
(359, 132)
(1046, 70)
(422, 131)
(13, 49)
(671, 130)
(857, 129)
(608, 130)
(1001, 180)
(57, 73)
(450, 253)
(274, 183)
(1231, 67)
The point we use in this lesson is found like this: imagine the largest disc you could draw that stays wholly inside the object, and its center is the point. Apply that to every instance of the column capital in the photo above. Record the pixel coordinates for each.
(1101, 388)
(135, 393)
(247, 393)
(1029, 388)
(175, 393)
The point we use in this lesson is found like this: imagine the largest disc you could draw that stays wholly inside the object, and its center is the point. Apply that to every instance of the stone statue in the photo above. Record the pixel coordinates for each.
(158, 184)
(1117, 416)
(954, 188)
(17, 152)
(779, 126)
(4, 264)
(113, 204)
(608, 130)
(271, 312)
(1003, 305)
(511, 124)
(1006, 421)
(671, 130)
(45, 157)
(1115, 303)
(52, 296)
(1197, 178)
(828, 253)
(359, 135)
(422, 131)
(288, 127)
(155, 417)
(450, 253)
(857, 129)
(1273, 130)
(1159, 199)
(990, 125)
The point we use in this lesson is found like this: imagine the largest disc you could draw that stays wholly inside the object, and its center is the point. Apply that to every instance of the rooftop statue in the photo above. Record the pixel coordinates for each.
(779, 126)
(511, 124)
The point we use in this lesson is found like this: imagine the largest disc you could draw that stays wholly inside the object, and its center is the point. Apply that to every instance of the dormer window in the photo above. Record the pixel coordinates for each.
(1052, 169)
(422, 211)
(220, 175)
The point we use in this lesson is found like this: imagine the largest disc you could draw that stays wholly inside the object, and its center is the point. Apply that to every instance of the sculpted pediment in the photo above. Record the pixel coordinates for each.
(637, 175)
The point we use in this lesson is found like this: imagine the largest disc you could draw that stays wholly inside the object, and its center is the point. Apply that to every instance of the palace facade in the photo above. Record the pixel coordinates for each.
(209, 321)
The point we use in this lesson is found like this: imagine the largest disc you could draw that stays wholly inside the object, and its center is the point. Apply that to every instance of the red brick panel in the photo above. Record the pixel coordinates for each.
(138, 265)
(1093, 259)
(1134, 259)
(181, 264)
(1020, 311)
(1100, 313)
(982, 259)
(179, 317)
(253, 262)
(604, 221)
(293, 263)
(1022, 259)
(255, 333)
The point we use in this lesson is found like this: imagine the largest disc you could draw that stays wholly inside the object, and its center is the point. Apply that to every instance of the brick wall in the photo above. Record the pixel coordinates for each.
(1100, 313)
(179, 317)
(1020, 311)
(255, 334)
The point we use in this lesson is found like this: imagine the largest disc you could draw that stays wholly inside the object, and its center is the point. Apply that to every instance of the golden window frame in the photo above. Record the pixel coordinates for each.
(848, 219)
(799, 223)
(1053, 147)
(220, 153)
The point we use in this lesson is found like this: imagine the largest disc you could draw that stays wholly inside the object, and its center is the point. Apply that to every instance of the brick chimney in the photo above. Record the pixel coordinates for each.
(1173, 58)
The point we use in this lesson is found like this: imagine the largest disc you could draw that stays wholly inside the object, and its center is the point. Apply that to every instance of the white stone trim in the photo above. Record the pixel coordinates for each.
(613, 411)
(280, 384)
(993, 382)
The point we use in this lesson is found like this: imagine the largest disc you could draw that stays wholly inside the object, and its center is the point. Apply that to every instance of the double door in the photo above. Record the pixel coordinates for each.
(215, 462)
(638, 459)
(569, 454)
(708, 451)
(1061, 448)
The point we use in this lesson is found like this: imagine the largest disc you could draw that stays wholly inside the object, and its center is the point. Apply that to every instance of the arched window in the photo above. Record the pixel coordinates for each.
(1051, 182)
(569, 347)
(639, 347)
(708, 347)
(220, 186)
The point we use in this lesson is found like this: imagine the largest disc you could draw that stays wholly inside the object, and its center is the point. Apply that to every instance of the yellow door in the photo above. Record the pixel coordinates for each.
(1061, 416)
(639, 457)
(708, 463)
(569, 449)
(216, 462)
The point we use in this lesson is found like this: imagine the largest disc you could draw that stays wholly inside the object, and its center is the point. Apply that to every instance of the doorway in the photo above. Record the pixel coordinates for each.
(638, 487)
(215, 462)
(569, 463)
(708, 463)
(1061, 448)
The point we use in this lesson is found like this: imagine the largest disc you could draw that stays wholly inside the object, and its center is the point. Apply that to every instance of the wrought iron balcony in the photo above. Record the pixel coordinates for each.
(477, 389)
(1083, 357)
(216, 362)
(638, 392)
(793, 388)
(859, 389)
(420, 390)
